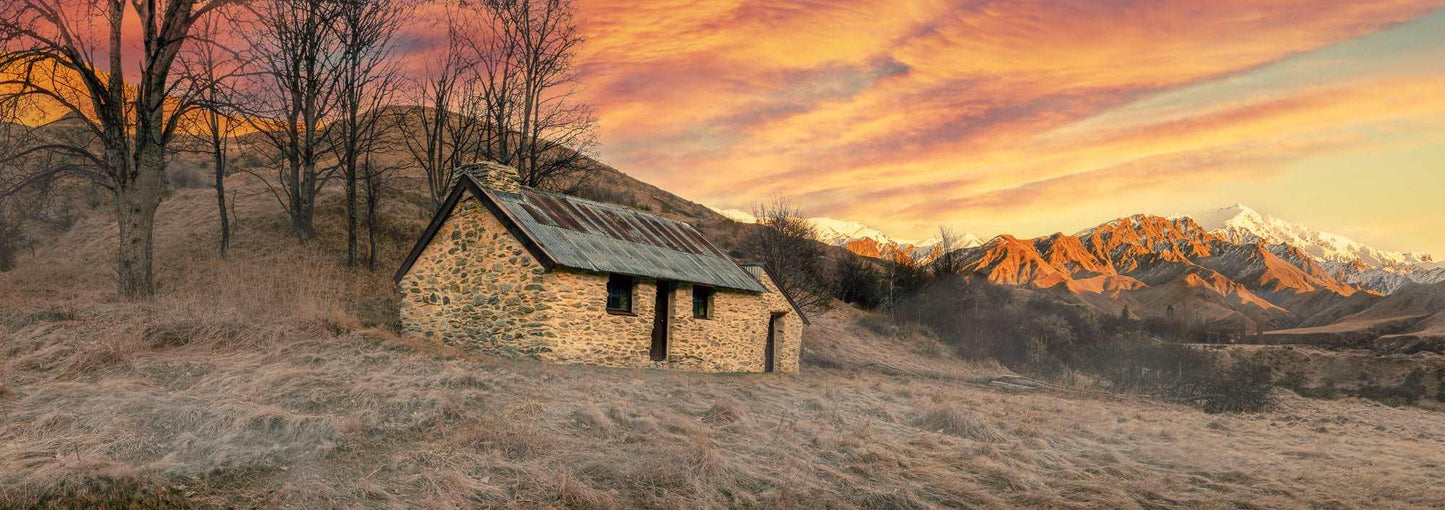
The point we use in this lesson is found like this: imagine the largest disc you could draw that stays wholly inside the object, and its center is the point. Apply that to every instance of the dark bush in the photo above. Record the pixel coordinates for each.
(12, 238)
(1326, 392)
(1244, 387)
(982, 321)
(183, 176)
(1440, 384)
(1136, 362)
(859, 282)
(1049, 335)
(1408, 392)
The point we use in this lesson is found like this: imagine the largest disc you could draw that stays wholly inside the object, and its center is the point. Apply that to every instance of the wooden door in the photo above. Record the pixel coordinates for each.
(662, 312)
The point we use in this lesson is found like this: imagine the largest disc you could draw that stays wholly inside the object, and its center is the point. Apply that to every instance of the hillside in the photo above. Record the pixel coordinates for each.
(271, 379)
(1407, 321)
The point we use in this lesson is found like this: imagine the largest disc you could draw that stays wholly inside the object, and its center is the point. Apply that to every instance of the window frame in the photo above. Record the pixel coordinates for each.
(614, 279)
(707, 294)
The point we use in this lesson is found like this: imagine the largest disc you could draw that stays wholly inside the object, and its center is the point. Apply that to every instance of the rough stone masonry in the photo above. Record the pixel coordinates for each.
(475, 284)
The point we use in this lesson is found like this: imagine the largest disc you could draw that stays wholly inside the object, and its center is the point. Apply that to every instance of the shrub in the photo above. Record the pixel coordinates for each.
(1047, 335)
(1326, 392)
(181, 176)
(599, 193)
(1408, 392)
(1440, 384)
(12, 239)
(1244, 387)
(859, 282)
(1141, 363)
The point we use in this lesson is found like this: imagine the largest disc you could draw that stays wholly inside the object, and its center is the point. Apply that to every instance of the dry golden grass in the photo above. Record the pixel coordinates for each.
(251, 383)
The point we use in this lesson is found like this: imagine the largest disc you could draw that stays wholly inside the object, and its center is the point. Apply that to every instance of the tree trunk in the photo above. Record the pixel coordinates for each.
(136, 206)
(371, 201)
(304, 221)
(221, 198)
(136, 216)
(351, 210)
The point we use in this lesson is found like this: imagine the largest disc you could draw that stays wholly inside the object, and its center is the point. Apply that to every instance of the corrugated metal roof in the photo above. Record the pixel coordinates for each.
(582, 234)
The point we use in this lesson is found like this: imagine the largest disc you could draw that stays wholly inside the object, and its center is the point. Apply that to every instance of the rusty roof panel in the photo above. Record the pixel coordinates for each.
(587, 235)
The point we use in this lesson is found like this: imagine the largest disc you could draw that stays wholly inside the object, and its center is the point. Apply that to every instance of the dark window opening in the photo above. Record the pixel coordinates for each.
(619, 293)
(702, 302)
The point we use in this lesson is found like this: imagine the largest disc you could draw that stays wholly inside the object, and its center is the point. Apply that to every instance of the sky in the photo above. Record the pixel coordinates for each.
(1025, 117)
(1031, 117)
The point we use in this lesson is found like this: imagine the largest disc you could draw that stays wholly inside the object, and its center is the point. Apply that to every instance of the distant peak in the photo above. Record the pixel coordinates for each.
(1241, 224)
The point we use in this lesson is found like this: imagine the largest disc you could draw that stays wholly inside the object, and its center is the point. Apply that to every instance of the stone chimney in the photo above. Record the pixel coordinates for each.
(492, 175)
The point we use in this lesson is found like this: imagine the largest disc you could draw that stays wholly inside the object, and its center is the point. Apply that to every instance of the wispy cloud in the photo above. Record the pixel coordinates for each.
(922, 112)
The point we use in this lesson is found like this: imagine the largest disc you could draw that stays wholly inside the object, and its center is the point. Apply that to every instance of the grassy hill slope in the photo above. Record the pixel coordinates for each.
(272, 379)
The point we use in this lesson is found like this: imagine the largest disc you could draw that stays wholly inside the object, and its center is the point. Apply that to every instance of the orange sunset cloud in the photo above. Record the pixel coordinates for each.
(991, 116)
(1017, 117)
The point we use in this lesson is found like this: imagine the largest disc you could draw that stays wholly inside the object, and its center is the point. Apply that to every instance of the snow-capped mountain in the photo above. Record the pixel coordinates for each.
(1386, 280)
(1349, 260)
(865, 240)
(1240, 224)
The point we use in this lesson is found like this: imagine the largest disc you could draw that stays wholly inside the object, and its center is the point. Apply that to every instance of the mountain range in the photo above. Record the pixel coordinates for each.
(1350, 261)
(1230, 267)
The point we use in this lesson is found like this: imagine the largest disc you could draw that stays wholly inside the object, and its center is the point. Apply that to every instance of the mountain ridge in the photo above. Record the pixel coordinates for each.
(861, 239)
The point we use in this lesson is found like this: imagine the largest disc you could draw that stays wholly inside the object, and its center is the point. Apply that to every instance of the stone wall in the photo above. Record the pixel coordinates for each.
(477, 286)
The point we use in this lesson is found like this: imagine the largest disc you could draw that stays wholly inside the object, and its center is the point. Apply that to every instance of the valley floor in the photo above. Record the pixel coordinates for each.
(261, 381)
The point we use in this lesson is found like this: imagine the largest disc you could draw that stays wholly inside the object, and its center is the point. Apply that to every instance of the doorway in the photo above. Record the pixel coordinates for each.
(662, 312)
(775, 330)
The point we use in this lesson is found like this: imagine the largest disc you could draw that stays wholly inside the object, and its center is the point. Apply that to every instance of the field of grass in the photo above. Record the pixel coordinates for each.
(271, 380)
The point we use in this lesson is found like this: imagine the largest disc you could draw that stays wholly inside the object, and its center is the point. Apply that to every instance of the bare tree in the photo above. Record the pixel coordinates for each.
(497, 76)
(13, 181)
(787, 245)
(366, 85)
(48, 49)
(858, 281)
(554, 132)
(211, 71)
(505, 90)
(902, 277)
(438, 135)
(292, 95)
(376, 180)
(946, 262)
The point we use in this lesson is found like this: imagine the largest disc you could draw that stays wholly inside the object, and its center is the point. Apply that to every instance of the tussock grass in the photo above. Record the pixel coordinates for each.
(259, 381)
(950, 420)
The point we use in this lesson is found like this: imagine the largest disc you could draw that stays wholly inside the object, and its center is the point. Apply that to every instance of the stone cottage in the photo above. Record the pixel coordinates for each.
(516, 270)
